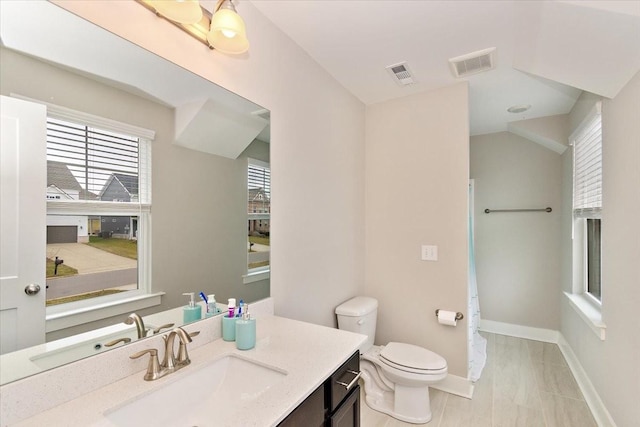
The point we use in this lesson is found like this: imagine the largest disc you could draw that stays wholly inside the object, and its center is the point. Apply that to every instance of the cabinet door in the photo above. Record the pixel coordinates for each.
(310, 413)
(348, 414)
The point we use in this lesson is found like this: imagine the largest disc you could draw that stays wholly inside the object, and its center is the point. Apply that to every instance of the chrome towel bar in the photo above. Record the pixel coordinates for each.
(517, 210)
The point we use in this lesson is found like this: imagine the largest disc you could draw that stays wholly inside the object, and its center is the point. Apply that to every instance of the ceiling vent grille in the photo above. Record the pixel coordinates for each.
(473, 63)
(401, 74)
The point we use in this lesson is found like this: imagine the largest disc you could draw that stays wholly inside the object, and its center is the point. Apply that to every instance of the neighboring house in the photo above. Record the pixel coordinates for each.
(259, 202)
(120, 188)
(61, 186)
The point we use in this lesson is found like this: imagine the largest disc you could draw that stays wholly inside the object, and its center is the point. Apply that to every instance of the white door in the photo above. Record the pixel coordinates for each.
(23, 184)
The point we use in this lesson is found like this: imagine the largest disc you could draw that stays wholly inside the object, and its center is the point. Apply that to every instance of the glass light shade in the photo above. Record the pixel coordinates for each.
(228, 34)
(182, 11)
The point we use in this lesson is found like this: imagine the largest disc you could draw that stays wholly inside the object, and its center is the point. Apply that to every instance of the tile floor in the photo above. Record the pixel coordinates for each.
(524, 383)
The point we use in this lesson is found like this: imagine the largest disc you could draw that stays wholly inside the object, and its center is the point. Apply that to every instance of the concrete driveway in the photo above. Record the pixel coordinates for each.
(86, 259)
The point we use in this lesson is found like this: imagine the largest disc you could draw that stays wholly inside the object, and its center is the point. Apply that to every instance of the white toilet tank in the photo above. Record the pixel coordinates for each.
(359, 315)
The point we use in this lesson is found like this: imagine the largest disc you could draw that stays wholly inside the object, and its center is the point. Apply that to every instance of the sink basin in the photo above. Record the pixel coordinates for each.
(204, 397)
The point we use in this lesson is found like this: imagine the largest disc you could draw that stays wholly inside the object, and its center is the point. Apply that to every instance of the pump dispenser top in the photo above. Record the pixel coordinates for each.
(191, 312)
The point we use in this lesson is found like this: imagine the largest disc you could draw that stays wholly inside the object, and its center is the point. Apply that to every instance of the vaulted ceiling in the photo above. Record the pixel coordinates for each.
(547, 52)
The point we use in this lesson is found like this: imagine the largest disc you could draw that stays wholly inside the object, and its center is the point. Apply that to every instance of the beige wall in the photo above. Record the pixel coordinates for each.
(199, 200)
(317, 150)
(612, 365)
(417, 162)
(518, 263)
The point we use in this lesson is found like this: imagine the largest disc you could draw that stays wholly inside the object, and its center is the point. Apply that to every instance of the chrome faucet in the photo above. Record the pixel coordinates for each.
(170, 363)
(134, 318)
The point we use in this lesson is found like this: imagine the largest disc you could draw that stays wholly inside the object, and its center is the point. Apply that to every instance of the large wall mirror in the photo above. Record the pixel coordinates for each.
(157, 185)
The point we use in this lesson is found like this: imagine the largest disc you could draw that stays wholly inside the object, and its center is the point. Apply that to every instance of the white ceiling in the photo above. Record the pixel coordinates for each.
(593, 46)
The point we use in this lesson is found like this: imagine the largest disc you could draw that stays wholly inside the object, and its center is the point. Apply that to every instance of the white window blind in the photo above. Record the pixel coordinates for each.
(587, 167)
(83, 161)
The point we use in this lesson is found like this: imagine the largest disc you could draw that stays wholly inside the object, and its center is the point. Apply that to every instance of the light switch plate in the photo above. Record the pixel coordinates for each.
(429, 253)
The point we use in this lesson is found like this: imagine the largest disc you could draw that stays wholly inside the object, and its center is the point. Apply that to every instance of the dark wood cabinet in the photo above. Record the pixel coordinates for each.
(336, 403)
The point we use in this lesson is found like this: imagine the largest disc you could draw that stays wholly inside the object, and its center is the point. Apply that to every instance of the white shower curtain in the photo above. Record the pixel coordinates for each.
(477, 345)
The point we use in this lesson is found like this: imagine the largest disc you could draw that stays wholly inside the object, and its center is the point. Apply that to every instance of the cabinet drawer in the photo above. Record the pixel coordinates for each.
(343, 380)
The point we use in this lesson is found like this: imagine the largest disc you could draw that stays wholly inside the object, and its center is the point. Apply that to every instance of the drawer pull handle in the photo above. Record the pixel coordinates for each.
(353, 381)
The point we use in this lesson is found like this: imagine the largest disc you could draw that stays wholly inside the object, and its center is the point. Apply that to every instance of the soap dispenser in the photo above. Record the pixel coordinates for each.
(245, 331)
(191, 312)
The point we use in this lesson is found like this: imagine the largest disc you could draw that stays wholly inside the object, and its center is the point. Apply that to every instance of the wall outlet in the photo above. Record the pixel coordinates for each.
(429, 253)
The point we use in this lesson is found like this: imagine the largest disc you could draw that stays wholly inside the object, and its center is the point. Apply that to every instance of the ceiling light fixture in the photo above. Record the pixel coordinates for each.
(224, 30)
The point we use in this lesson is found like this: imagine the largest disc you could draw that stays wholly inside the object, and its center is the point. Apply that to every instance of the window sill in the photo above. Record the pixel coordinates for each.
(256, 276)
(589, 313)
(57, 319)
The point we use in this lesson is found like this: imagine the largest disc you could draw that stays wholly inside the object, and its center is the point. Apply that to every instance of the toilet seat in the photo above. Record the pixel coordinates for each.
(412, 359)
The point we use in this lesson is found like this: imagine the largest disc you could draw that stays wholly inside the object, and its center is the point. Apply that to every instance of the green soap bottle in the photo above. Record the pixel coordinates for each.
(191, 312)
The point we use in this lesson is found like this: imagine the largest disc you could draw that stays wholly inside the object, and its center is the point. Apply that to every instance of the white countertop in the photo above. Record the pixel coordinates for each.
(308, 353)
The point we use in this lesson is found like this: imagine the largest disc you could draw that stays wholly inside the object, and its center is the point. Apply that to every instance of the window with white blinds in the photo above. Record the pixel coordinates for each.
(258, 224)
(259, 189)
(98, 194)
(587, 167)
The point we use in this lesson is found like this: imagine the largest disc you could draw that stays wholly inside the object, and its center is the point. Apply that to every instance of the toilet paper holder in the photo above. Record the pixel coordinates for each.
(459, 315)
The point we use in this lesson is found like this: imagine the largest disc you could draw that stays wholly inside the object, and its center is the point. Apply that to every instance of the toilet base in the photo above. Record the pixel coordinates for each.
(415, 410)
(408, 404)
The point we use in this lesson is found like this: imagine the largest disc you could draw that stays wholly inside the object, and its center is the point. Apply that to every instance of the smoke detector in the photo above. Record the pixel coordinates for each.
(517, 109)
(473, 63)
(401, 73)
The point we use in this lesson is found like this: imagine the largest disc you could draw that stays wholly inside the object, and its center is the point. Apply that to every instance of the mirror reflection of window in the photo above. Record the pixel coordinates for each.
(94, 208)
(259, 211)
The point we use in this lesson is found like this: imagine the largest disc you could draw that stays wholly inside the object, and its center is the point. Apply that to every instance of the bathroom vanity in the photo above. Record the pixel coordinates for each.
(294, 368)
(335, 403)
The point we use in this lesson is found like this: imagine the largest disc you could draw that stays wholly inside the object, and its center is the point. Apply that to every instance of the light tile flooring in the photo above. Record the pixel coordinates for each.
(524, 383)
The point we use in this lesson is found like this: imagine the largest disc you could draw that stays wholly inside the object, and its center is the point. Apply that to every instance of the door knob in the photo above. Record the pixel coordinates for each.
(32, 289)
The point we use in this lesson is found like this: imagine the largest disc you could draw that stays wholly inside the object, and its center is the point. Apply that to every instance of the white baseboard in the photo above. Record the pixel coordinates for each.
(599, 411)
(527, 332)
(454, 384)
(591, 397)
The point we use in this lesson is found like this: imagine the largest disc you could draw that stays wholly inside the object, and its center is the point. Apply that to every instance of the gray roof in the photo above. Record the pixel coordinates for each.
(129, 182)
(59, 175)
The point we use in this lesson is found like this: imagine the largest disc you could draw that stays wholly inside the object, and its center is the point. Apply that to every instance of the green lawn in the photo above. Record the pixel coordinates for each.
(122, 247)
(259, 240)
(63, 270)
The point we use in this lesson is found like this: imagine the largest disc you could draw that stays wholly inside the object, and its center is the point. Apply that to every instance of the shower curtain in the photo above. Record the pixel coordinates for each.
(477, 345)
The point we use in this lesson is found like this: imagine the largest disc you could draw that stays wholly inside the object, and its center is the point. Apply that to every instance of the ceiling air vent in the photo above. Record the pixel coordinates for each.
(401, 73)
(473, 63)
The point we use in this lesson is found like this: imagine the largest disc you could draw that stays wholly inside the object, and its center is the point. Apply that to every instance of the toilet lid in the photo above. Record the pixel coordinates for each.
(412, 357)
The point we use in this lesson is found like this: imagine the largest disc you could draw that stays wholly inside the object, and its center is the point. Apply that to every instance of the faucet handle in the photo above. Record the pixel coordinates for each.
(153, 369)
(165, 326)
(117, 341)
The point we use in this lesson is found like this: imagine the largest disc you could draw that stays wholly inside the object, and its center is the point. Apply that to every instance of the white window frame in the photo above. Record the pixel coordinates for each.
(586, 305)
(75, 313)
(259, 273)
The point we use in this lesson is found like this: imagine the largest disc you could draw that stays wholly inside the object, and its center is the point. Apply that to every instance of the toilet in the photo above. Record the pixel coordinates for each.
(396, 376)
